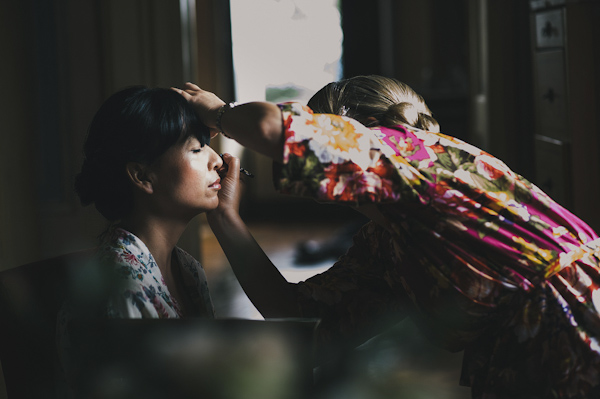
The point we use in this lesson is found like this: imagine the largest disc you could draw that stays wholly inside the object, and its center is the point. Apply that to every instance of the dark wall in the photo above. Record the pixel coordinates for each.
(423, 44)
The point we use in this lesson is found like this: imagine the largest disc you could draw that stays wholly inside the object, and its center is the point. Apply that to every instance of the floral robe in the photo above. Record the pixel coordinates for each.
(123, 281)
(142, 292)
(479, 257)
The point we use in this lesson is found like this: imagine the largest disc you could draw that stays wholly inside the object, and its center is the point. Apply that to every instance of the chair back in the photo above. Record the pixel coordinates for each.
(30, 299)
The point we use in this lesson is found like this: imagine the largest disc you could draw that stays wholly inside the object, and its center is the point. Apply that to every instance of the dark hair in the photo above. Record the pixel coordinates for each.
(136, 124)
(388, 100)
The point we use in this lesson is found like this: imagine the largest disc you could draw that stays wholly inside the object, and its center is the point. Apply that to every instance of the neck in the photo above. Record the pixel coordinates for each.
(160, 236)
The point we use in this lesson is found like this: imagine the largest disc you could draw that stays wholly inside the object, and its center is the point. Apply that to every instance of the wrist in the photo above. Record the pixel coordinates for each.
(219, 118)
(223, 216)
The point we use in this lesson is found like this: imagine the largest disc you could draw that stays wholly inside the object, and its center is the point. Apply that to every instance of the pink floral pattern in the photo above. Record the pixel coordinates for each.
(481, 258)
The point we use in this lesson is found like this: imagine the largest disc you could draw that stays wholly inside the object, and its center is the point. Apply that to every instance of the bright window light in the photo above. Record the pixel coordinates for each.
(285, 50)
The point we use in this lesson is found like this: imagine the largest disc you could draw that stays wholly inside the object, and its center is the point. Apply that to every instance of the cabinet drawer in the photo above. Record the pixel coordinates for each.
(550, 95)
(549, 29)
(552, 169)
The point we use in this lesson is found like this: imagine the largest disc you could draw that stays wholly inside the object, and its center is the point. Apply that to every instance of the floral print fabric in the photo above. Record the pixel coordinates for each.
(142, 292)
(125, 270)
(482, 259)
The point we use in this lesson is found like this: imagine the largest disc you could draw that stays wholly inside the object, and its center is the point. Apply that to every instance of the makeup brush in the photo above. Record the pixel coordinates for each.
(242, 170)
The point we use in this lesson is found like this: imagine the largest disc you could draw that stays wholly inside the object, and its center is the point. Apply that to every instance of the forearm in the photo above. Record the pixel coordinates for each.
(258, 126)
(268, 290)
(255, 125)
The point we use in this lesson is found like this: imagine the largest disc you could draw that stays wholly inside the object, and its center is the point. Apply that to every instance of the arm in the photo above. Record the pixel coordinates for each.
(328, 157)
(268, 290)
(255, 125)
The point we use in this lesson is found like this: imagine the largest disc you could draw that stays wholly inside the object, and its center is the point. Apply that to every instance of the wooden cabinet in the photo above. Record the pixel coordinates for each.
(566, 71)
(550, 95)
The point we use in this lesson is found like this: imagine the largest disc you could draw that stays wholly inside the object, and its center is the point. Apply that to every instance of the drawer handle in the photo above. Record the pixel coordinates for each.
(549, 95)
(549, 30)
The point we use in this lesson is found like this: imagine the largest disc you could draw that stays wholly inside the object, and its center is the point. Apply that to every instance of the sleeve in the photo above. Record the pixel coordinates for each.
(357, 297)
(334, 158)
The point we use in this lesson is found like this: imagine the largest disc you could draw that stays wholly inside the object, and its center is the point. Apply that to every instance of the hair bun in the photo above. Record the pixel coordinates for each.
(388, 100)
(407, 113)
(96, 184)
(428, 122)
(403, 112)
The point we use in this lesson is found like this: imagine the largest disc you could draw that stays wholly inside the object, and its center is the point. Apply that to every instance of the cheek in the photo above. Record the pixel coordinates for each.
(194, 177)
(187, 176)
(177, 179)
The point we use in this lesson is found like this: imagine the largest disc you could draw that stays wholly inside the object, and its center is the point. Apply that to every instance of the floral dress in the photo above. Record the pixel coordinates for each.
(479, 257)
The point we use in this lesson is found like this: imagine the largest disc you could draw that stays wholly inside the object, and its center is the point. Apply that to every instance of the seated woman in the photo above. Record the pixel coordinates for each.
(481, 259)
(149, 170)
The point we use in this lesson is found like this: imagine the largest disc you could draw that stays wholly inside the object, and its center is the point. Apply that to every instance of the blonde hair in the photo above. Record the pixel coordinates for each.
(388, 100)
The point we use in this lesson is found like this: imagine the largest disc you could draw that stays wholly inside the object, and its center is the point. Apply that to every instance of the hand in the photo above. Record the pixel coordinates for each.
(230, 193)
(204, 102)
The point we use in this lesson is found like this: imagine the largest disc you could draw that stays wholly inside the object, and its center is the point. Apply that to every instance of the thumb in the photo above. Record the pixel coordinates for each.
(231, 166)
(230, 181)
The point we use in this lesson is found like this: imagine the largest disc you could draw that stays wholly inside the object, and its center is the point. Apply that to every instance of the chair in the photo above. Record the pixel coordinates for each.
(193, 358)
(30, 298)
(135, 358)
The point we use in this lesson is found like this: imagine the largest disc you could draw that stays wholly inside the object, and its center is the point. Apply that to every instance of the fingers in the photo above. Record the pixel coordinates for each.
(232, 165)
(204, 102)
(188, 90)
(191, 86)
(185, 94)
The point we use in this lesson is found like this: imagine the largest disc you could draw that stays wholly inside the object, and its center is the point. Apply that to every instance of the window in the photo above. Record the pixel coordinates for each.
(284, 50)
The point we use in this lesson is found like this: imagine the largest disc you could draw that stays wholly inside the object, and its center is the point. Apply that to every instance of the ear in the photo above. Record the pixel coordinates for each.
(138, 174)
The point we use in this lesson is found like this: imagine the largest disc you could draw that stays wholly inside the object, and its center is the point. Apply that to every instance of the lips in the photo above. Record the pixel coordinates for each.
(216, 184)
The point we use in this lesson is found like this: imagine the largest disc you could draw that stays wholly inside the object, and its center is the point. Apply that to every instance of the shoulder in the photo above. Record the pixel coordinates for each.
(295, 108)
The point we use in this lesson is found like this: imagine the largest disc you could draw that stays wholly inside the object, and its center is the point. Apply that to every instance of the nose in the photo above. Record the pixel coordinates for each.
(217, 160)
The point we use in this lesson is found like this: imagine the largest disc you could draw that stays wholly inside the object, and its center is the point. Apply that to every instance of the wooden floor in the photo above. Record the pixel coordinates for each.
(279, 241)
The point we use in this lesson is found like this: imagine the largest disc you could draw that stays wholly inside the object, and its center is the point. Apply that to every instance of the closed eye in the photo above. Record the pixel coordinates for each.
(196, 151)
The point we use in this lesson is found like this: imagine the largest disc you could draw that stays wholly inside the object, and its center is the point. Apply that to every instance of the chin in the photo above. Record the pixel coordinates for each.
(211, 207)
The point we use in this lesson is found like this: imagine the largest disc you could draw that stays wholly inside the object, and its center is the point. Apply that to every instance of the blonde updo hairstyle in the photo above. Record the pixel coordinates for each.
(388, 100)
